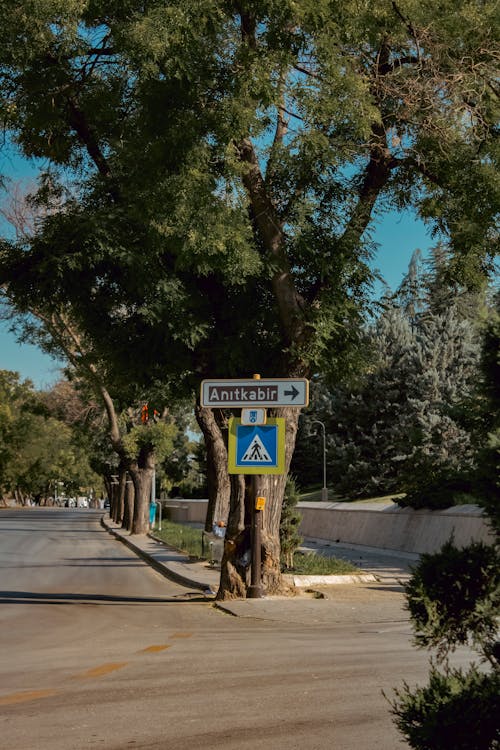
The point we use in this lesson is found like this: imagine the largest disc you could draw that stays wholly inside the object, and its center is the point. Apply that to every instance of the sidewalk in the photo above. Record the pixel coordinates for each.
(378, 566)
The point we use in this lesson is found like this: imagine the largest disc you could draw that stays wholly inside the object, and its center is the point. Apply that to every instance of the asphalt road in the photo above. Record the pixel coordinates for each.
(100, 651)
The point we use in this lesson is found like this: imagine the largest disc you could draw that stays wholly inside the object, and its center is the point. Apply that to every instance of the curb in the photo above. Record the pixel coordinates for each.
(158, 566)
(304, 581)
(329, 580)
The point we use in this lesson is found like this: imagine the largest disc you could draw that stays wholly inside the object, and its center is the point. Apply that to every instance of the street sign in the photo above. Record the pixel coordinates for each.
(258, 449)
(249, 393)
(253, 416)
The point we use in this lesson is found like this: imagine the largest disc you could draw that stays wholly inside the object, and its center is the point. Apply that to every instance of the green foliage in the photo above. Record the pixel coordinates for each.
(156, 436)
(184, 538)
(188, 540)
(454, 710)
(290, 538)
(454, 596)
(37, 448)
(229, 163)
(489, 456)
(413, 420)
(314, 564)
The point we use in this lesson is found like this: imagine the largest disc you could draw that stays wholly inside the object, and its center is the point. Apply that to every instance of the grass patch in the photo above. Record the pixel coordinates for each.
(320, 565)
(184, 538)
(187, 539)
(314, 496)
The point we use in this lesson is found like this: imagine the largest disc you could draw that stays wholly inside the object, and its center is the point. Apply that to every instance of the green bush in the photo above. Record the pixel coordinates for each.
(436, 492)
(455, 711)
(290, 538)
(454, 595)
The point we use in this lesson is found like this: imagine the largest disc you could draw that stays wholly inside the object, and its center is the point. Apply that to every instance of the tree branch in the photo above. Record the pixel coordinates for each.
(69, 339)
(78, 121)
(270, 233)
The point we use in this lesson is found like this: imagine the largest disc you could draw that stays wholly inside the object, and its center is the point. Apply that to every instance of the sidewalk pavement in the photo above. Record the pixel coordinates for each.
(383, 567)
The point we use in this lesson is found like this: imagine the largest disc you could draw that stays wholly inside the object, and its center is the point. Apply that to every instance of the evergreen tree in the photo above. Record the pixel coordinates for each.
(454, 599)
(408, 424)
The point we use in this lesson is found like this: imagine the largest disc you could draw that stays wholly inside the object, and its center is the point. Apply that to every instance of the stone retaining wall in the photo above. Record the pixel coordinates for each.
(394, 528)
(385, 526)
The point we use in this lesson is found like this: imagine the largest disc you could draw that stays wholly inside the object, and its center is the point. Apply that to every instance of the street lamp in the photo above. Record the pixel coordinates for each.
(324, 490)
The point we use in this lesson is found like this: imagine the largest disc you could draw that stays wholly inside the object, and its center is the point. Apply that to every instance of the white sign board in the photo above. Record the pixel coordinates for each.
(249, 393)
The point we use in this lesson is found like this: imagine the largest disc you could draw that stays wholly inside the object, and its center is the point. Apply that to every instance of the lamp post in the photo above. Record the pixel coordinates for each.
(324, 490)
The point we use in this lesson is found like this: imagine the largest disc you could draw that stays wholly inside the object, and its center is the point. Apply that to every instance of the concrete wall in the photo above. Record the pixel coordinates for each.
(382, 526)
(182, 511)
(391, 527)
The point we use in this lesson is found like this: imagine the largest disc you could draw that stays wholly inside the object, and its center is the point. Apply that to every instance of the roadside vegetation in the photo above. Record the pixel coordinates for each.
(453, 599)
(213, 174)
(415, 425)
(188, 539)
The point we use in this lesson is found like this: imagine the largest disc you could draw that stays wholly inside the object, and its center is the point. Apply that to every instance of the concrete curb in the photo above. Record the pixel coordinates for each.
(167, 569)
(329, 580)
(160, 567)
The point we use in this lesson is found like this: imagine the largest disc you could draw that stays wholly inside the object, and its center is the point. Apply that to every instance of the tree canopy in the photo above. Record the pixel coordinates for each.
(229, 161)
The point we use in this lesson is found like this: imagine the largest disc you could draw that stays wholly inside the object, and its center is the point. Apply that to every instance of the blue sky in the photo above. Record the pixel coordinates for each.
(397, 235)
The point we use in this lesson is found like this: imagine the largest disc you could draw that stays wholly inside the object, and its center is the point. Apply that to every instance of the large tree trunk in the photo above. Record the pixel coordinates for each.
(128, 506)
(141, 471)
(235, 568)
(212, 424)
(119, 494)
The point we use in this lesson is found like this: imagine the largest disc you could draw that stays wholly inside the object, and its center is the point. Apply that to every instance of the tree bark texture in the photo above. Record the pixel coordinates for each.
(212, 423)
(128, 506)
(119, 494)
(141, 471)
(235, 567)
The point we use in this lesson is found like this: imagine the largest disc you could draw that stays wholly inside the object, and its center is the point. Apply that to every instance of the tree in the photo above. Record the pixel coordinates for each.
(13, 395)
(38, 448)
(411, 422)
(454, 599)
(488, 479)
(58, 326)
(289, 127)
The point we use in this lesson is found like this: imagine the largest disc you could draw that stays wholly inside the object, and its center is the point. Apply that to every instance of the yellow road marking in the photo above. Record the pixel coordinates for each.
(27, 695)
(102, 670)
(182, 635)
(154, 649)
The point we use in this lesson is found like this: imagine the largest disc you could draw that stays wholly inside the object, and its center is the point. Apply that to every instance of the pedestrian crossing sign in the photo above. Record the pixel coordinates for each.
(256, 449)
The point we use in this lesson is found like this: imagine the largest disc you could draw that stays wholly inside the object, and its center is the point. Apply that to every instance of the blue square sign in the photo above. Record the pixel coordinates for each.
(257, 449)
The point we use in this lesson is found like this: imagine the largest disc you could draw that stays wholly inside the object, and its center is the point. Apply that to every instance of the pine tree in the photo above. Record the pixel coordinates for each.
(408, 424)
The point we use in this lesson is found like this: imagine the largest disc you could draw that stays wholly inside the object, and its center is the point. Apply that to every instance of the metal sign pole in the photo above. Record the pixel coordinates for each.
(255, 588)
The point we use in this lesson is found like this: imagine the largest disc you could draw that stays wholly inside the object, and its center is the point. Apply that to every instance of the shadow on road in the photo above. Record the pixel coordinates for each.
(29, 597)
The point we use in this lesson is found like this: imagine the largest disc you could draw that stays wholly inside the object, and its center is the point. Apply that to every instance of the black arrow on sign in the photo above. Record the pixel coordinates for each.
(293, 393)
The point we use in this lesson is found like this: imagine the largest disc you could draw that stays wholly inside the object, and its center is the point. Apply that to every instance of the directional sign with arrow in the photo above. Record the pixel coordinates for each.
(248, 393)
(256, 449)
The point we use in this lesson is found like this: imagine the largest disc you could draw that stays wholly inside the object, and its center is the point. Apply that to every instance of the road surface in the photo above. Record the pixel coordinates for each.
(100, 651)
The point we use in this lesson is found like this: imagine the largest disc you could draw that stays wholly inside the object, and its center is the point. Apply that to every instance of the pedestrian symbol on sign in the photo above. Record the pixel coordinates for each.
(256, 449)
(256, 452)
